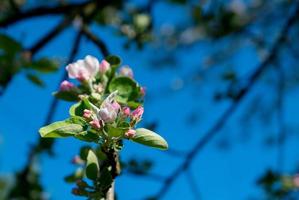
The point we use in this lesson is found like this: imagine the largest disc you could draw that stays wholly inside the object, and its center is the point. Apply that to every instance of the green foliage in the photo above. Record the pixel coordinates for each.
(92, 166)
(150, 138)
(127, 88)
(60, 129)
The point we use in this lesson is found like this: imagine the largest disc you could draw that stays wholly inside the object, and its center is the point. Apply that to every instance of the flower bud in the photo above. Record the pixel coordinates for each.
(126, 71)
(87, 113)
(81, 184)
(296, 180)
(77, 160)
(137, 113)
(130, 133)
(142, 91)
(104, 67)
(66, 85)
(126, 111)
(95, 123)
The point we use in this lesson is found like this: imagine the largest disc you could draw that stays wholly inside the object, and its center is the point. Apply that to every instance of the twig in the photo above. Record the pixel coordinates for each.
(41, 11)
(231, 109)
(193, 185)
(97, 41)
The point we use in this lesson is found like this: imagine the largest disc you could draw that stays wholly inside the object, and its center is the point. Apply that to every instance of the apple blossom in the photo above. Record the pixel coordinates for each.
(130, 133)
(104, 66)
(95, 123)
(137, 113)
(126, 71)
(126, 111)
(83, 69)
(87, 113)
(66, 85)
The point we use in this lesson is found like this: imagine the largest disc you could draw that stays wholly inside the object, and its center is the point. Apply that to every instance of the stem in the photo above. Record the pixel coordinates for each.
(110, 192)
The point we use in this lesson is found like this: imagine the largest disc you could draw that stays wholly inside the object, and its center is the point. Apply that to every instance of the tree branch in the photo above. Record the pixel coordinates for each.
(97, 41)
(232, 108)
(41, 11)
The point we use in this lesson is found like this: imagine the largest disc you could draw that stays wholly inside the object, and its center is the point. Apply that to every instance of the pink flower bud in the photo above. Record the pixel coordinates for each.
(142, 91)
(126, 71)
(77, 160)
(130, 133)
(95, 123)
(116, 106)
(126, 111)
(104, 67)
(66, 85)
(296, 180)
(87, 113)
(137, 113)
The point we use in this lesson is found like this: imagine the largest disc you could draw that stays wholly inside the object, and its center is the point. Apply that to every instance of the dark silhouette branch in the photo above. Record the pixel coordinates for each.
(97, 41)
(41, 11)
(192, 184)
(232, 108)
(50, 36)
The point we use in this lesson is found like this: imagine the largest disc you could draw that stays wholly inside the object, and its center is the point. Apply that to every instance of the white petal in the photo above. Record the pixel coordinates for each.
(72, 70)
(92, 64)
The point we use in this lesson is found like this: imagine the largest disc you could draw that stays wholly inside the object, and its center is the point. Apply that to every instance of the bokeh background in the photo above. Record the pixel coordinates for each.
(221, 82)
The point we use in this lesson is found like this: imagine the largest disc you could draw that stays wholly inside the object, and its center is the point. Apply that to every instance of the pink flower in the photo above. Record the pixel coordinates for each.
(87, 113)
(130, 133)
(66, 85)
(126, 111)
(126, 71)
(142, 91)
(83, 69)
(116, 106)
(95, 123)
(77, 160)
(137, 113)
(296, 180)
(104, 67)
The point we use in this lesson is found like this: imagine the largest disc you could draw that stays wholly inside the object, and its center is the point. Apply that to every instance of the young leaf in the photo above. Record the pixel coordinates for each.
(126, 87)
(45, 65)
(35, 79)
(92, 167)
(67, 95)
(149, 138)
(114, 61)
(60, 129)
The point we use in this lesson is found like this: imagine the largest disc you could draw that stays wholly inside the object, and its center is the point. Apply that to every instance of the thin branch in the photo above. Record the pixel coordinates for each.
(232, 108)
(193, 184)
(97, 41)
(41, 11)
(50, 36)
(280, 118)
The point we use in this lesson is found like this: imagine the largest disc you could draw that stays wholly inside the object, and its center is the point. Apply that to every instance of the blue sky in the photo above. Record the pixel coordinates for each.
(223, 175)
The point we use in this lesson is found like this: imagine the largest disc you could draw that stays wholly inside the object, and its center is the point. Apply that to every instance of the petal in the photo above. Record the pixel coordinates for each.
(92, 65)
(72, 70)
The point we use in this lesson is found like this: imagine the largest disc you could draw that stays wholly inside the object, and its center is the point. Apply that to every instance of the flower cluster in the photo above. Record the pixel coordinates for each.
(105, 108)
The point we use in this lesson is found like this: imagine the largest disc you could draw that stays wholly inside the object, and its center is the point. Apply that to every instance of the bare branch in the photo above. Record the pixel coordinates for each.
(232, 108)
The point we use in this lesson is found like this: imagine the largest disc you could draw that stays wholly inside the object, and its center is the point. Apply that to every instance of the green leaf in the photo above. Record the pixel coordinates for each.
(92, 167)
(70, 95)
(116, 132)
(126, 87)
(114, 61)
(60, 129)
(9, 45)
(149, 138)
(78, 108)
(35, 79)
(45, 65)
(87, 136)
(75, 176)
(105, 179)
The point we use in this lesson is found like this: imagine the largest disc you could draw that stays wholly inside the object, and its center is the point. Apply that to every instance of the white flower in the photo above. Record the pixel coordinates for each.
(126, 71)
(83, 69)
(109, 108)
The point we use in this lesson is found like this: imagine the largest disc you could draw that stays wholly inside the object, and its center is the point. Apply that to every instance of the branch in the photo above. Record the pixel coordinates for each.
(232, 108)
(51, 35)
(97, 41)
(41, 11)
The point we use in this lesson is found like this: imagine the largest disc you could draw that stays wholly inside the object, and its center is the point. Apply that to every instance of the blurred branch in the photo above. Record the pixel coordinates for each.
(43, 144)
(193, 184)
(97, 41)
(232, 108)
(51, 35)
(41, 11)
(280, 118)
